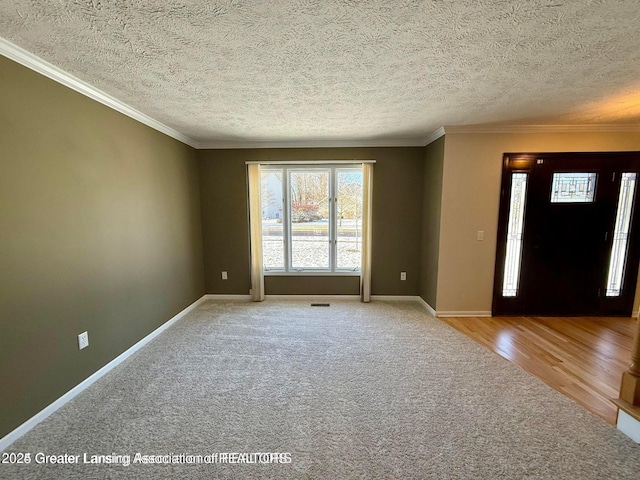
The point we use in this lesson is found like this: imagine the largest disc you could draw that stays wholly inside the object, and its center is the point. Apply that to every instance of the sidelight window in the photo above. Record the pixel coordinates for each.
(515, 231)
(620, 240)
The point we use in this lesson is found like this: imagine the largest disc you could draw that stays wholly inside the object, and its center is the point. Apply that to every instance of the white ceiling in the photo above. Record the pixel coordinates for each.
(239, 72)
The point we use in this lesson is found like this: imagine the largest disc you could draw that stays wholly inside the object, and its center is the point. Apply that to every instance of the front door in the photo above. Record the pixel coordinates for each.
(567, 237)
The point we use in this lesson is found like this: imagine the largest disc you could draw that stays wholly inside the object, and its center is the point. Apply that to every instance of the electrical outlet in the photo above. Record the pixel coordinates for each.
(83, 340)
(403, 275)
(224, 275)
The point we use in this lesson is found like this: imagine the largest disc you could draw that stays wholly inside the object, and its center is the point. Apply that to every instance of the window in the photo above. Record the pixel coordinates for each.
(620, 241)
(515, 230)
(311, 219)
(572, 187)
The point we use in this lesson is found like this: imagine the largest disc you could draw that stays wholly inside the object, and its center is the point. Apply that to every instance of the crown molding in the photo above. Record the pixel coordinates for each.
(602, 128)
(433, 136)
(221, 145)
(37, 64)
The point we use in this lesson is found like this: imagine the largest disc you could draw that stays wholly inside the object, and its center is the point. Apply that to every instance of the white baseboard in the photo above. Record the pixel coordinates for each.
(402, 298)
(11, 437)
(429, 308)
(444, 313)
(215, 296)
(462, 313)
(224, 296)
(394, 298)
(629, 426)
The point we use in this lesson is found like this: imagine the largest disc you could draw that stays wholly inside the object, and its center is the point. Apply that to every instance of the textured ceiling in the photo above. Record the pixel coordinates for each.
(240, 71)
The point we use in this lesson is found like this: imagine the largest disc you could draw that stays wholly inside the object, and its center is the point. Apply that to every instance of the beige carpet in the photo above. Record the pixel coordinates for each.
(381, 390)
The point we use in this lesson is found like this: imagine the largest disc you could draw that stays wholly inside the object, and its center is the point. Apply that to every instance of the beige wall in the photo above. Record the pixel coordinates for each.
(99, 232)
(470, 202)
(397, 206)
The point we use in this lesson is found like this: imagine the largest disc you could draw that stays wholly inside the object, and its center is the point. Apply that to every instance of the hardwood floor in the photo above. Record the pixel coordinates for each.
(581, 357)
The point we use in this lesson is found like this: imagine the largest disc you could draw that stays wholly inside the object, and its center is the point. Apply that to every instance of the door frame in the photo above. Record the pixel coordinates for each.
(526, 162)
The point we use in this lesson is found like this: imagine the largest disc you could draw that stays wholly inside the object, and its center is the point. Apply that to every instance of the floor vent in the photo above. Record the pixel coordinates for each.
(320, 305)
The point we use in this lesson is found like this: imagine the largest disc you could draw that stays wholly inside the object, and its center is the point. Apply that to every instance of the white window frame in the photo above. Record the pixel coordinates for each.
(333, 170)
